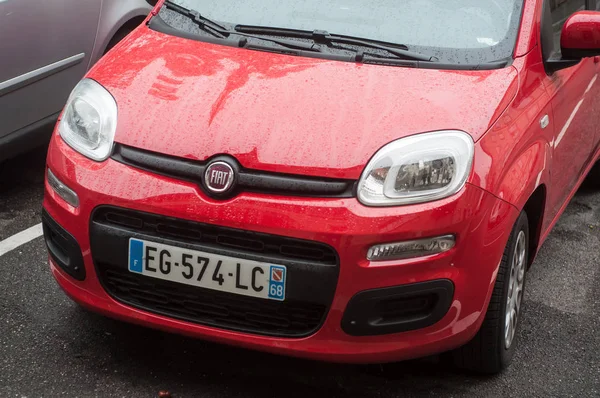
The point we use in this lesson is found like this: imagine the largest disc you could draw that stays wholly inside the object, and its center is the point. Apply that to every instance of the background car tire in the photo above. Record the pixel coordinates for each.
(487, 352)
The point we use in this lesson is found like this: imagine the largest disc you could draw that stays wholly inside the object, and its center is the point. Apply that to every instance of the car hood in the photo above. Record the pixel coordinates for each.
(285, 113)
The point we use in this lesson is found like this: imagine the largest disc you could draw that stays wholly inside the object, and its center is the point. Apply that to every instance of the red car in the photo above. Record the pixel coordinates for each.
(286, 176)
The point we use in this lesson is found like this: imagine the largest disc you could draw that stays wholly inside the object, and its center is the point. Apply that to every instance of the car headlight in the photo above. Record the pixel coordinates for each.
(416, 169)
(89, 121)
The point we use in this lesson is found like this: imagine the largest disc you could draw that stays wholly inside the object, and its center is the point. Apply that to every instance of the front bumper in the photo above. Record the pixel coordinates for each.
(480, 221)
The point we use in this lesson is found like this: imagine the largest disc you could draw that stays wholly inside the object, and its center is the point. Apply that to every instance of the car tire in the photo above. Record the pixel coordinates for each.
(493, 347)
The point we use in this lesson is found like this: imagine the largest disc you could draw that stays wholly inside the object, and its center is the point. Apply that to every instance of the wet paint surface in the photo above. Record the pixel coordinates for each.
(284, 113)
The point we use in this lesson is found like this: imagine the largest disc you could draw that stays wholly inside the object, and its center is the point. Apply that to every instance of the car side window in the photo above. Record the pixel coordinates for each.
(595, 5)
(561, 10)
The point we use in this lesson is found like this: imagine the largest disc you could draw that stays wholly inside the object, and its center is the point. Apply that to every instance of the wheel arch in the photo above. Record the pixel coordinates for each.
(521, 178)
(535, 209)
(114, 17)
(125, 29)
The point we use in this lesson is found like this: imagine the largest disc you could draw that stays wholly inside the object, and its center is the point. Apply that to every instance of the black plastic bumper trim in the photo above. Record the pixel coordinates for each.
(63, 248)
(310, 286)
(398, 309)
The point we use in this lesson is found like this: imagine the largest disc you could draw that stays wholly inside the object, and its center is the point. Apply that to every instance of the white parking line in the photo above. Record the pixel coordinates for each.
(21, 238)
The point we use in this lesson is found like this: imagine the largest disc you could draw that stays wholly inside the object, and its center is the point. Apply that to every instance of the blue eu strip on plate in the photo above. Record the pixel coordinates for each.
(136, 254)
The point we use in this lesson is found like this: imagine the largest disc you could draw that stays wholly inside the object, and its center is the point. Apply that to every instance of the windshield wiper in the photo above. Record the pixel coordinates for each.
(221, 32)
(324, 37)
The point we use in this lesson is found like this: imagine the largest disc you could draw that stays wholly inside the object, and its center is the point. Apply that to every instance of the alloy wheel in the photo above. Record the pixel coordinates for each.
(515, 290)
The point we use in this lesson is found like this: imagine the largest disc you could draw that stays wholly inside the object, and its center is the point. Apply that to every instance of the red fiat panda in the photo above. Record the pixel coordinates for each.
(347, 181)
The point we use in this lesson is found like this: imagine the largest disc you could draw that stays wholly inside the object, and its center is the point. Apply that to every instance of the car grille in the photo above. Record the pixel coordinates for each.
(248, 180)
(312, 274)
(275, 247)
(211, 307)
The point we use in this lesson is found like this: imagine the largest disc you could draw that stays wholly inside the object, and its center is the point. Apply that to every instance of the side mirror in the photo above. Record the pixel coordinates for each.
(580, 36)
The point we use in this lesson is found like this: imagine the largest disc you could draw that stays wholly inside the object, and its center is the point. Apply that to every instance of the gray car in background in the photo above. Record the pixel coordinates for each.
(46, 46)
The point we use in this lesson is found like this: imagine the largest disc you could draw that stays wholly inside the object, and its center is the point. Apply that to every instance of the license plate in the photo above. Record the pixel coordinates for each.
(207, 270)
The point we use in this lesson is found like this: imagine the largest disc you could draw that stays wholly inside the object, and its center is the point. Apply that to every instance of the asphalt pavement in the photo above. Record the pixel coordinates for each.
(49, 347)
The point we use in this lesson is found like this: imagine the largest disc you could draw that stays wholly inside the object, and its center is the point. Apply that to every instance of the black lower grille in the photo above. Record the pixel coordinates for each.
(278, 248)
(312, 272)
(209, 307)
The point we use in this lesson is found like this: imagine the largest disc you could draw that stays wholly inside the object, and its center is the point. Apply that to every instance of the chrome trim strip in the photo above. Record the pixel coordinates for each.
(38, 74)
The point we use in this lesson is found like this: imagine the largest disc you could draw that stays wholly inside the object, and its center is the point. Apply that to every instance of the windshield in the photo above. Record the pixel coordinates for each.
(454, 31)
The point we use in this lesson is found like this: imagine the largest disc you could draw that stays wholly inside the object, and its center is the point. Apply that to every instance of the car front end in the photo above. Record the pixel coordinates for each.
(262, 200)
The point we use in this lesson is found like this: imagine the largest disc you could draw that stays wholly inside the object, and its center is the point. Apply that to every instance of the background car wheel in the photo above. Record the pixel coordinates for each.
(493, 347)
